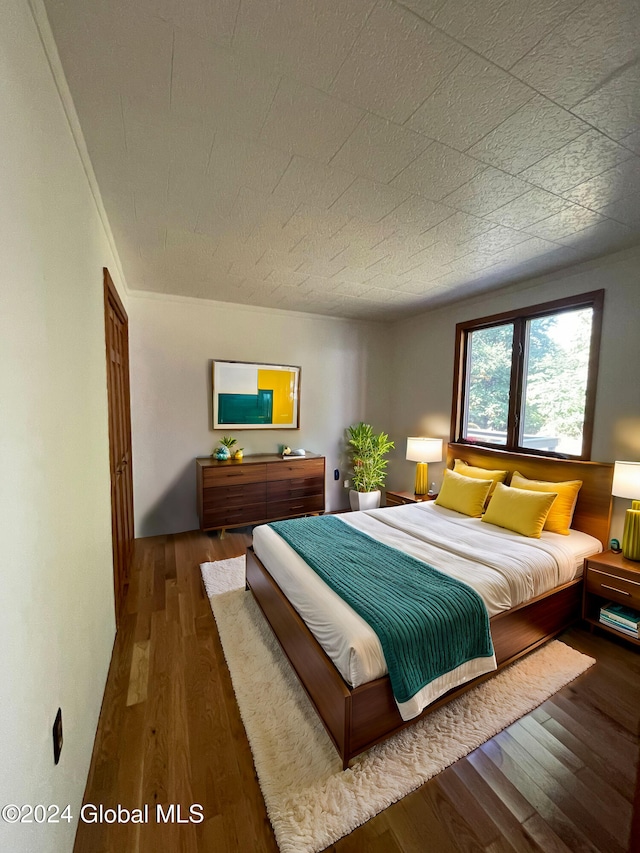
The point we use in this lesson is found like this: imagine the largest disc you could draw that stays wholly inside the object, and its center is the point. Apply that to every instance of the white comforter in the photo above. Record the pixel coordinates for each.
(506, 569)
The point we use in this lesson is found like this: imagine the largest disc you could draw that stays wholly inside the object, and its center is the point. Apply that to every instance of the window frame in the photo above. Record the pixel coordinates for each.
(519, 317)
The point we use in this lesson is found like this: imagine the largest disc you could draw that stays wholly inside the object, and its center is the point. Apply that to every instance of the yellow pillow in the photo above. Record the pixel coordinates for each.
(519, 510)
(461, 467)
(561, 513)
(464, 494)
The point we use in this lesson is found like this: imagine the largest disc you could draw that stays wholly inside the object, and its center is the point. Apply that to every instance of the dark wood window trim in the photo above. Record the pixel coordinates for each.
(594, 299)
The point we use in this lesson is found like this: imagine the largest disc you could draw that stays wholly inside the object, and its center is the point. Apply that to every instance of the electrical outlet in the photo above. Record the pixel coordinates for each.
(346, 484)
(57, 736)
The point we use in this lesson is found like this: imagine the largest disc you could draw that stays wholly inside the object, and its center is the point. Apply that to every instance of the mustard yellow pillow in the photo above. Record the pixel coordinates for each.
(520, 510)
(561, 513)
(464, 494)
(461, 467)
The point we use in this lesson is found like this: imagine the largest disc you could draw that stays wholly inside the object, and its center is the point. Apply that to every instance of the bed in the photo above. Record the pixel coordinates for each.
(359, 710)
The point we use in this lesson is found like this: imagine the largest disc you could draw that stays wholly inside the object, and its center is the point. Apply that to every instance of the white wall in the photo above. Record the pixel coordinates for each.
(424, 348)
(173, 340)
(56, 606)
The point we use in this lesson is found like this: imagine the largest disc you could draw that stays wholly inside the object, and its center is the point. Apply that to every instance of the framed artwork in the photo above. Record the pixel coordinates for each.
(255, 396)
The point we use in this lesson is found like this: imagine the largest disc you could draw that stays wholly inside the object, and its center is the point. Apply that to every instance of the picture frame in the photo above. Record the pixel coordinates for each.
(255, 395)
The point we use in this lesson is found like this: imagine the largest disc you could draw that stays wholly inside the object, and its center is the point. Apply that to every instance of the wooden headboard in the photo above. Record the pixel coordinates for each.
(593, 508)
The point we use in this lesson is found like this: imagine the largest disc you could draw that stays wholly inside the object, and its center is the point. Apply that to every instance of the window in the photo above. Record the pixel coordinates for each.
(526, 380)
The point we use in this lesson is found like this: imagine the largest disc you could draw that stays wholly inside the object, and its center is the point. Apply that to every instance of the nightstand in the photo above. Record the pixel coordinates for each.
(401, 498)
(608, 577)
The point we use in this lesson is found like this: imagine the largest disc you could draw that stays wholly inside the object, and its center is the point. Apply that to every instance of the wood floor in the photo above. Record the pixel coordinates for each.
(562, 778)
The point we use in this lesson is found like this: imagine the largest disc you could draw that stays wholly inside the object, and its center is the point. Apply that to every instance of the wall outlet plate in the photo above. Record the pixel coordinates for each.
(57, 736)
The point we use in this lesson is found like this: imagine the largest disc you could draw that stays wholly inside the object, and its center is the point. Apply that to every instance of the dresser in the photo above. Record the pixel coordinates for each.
(258, 488)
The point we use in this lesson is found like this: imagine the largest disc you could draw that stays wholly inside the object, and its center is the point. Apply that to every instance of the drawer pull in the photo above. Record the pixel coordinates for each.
(297, 506)
(615, 589)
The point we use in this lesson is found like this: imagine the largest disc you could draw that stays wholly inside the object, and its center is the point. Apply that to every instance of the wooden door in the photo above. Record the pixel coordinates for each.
(117, 340)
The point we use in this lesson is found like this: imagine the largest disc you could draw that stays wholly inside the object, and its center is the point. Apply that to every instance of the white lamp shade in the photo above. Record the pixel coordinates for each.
(626, 480)
(424, 449)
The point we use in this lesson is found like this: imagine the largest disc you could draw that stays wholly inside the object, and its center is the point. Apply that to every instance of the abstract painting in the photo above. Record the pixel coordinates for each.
(255, 396)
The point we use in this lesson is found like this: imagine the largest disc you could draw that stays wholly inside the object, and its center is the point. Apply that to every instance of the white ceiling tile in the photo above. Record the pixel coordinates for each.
(580, 160)
(488, 191)
(459, 228)
(306, 39)
(609, 186)
(193, 191)
(379, 149)
(307, 122)
(470, 102)
(632, 141)
(437, 172)
(307, 181)
(502, 30)
(365, 235)
(359, 257)
(419, 212)
(350, 288)
(324, 268)
(614, 108)
(386, 281)
(607, 236)
(568, 221)
(396, 62)
(235, 159)
(528, 208)
(537, 129)
(285, 277)
(597, 38)
(212, 85)
(369, 200)
(495, 240)
(215, 20)
(425, 8)
(625, 210)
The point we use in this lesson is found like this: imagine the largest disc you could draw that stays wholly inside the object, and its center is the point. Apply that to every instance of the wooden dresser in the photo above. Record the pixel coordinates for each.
(258, 488)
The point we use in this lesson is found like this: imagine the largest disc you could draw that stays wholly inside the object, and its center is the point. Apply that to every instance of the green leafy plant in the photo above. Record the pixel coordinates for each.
(367, 451)
(228, 442)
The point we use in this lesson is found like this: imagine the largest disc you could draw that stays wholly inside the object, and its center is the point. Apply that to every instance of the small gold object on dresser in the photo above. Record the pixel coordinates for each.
(611, 595)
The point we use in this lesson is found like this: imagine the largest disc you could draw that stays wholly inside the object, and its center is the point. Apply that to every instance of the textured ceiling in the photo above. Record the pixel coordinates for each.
(352, 157)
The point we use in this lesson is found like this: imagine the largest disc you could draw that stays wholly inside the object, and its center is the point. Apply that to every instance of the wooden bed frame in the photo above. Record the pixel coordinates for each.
(357, 718)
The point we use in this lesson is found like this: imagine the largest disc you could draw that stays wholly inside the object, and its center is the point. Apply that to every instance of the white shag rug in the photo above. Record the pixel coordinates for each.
(310, 800)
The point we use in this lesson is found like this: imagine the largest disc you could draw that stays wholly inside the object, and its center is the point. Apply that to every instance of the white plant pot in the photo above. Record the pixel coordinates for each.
(364, 500)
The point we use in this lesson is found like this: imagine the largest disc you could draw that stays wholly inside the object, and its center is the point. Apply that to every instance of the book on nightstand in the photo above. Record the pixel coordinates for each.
(621, 618)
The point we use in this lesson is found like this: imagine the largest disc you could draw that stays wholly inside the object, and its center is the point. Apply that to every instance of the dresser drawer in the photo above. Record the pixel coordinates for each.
(234, 516)
(295, 469)
(298, 487)
(295, 506)
(236, 473)
(613, 587)
(237, 494)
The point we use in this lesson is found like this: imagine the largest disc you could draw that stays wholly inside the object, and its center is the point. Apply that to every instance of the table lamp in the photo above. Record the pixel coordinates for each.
(423, 451)
(626, 484)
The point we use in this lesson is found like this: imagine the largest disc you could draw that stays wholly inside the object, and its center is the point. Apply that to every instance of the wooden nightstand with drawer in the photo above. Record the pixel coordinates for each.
(610, 578)
(400, 498)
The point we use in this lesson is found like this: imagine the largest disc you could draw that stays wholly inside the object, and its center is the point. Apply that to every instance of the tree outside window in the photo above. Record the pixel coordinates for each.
(526, 380)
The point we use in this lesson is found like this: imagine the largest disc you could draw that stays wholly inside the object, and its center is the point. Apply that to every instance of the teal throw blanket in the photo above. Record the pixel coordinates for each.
(428, 623)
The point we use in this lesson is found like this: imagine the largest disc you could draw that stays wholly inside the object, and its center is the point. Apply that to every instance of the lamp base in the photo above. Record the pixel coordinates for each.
(631, 535)
(422, 479)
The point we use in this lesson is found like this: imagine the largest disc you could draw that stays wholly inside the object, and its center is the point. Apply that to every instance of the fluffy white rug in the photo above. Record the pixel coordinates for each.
(310, 800)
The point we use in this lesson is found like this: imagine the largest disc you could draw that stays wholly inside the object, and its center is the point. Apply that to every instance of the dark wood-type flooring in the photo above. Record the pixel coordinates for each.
(562, 778)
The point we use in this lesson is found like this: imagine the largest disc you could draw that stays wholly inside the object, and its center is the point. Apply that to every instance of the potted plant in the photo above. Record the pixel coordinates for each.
(225, 450)
(367, 451)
